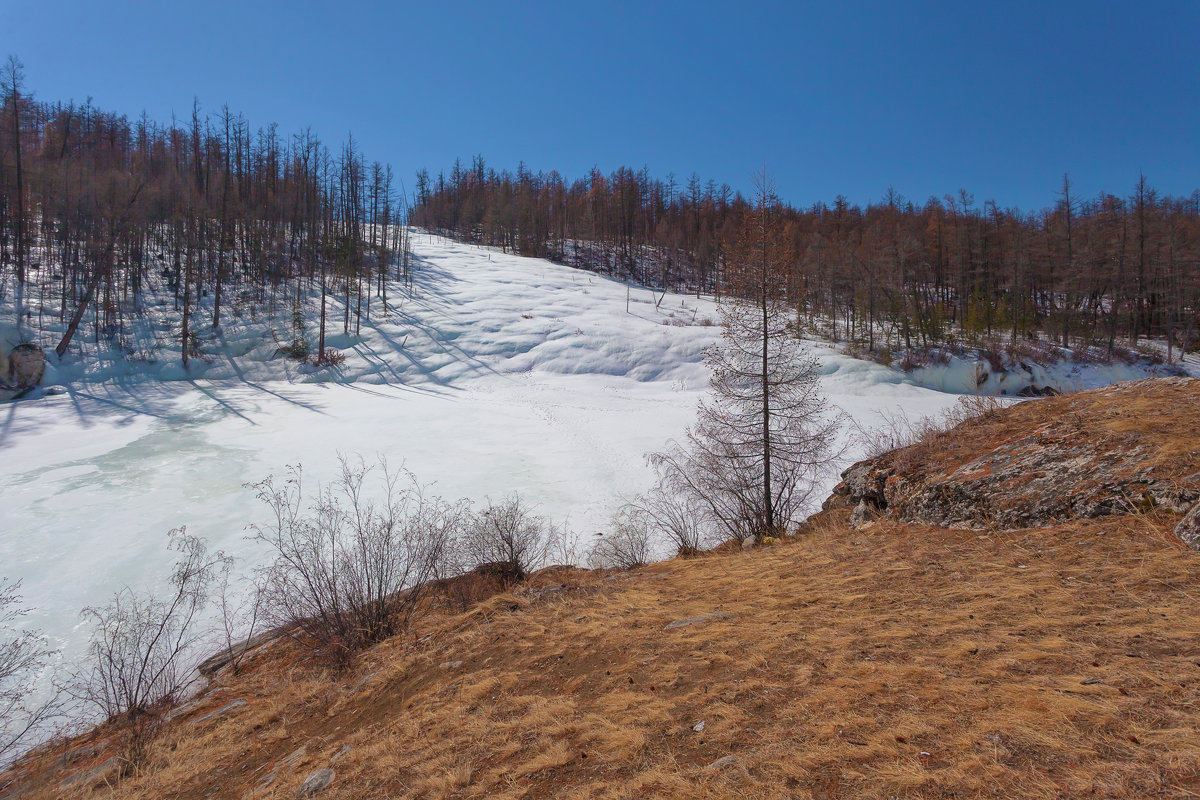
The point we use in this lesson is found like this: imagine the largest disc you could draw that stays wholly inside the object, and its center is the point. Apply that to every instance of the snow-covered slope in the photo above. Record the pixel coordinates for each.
(500, 373)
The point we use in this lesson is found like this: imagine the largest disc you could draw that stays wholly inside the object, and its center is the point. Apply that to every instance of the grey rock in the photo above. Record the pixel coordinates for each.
(105, 773)
(337, 756)
(232, 705)
(699, 727)
(178, 711)
(864, 481)
(1188, 528)
(679, 623)
(287, 762)
(864, 514)
(227, 654)
(450, 665)
(721, 763)
(293, 758)
(316, 782)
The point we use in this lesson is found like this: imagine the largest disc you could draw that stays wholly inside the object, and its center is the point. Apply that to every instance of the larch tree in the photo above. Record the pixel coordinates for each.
(765, 436)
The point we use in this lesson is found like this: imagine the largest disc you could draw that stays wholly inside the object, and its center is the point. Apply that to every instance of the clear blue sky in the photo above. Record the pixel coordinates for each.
(999, 98)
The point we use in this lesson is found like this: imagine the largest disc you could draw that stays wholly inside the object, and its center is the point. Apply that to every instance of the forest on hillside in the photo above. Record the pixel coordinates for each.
(1103, 272)
(95, 209)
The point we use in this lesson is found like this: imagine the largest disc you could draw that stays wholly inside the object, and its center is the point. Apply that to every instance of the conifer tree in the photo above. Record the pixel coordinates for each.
(766, 435)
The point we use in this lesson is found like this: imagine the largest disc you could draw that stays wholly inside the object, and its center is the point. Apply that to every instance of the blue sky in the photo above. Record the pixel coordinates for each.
(834, 98)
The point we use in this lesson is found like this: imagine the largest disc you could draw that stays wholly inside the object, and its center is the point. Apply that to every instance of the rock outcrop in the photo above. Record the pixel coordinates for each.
(1188, 528)
(1120, 450)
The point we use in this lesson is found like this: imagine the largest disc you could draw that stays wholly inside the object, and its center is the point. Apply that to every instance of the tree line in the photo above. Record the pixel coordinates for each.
(97, 211)
(1100, 271)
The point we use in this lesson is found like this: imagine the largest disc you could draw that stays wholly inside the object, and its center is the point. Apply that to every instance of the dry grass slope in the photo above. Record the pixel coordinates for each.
(902, 661)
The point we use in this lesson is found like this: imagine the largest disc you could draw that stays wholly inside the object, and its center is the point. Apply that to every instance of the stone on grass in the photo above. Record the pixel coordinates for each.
(679, 623)
(721, 763)
(106, 773)
(232, 705)
(316, 782)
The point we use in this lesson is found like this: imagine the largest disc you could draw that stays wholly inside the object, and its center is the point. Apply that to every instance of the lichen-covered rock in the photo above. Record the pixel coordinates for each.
(864, 481)
(1188, 528)
(864, 514)
(1112, 451)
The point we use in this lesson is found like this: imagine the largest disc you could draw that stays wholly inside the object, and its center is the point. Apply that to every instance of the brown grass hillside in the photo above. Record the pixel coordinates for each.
(899, 661)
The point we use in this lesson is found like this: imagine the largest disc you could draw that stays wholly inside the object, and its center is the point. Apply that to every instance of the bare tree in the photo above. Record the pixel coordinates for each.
(23, 656)
(753, 458)
(350, 570)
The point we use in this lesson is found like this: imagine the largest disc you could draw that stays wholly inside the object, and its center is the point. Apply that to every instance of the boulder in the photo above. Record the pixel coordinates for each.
(26, 367)
(1188, 528)
(864, 514)
(864, 481)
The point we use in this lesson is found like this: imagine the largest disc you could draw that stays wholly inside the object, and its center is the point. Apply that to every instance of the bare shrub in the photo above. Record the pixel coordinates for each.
(1034, 351)
(626, 545)
(240, 616)
(917, 357)
(349, 570)
(23, 656)
(899, 433)
(679, 518)
(509, 536)
(993, 354)
(972, 407)
(895, 431)
(142, 649)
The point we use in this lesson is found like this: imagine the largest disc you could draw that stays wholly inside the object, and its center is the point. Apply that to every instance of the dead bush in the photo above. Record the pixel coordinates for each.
(626, 545)
(332, 358)
(23, 656)
(142, 652)
(349, 569)
(508, 537)
(680, 518)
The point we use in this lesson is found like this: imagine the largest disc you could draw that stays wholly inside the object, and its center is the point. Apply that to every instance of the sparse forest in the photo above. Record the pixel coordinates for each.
(99, 212)
(1106, 272)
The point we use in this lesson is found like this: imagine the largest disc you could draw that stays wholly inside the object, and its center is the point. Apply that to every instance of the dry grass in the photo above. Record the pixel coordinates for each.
(1160, 415)
(905, 662)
